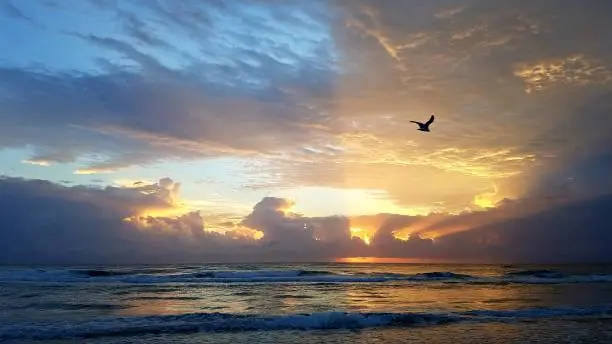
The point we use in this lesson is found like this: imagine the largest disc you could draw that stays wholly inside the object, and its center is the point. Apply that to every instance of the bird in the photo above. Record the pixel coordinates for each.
(424, 126)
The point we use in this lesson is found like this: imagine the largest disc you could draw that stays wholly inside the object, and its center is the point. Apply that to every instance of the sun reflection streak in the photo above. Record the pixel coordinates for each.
(378, 260)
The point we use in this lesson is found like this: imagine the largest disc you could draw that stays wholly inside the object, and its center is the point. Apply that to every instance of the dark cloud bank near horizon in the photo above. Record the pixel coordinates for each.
(46, 223)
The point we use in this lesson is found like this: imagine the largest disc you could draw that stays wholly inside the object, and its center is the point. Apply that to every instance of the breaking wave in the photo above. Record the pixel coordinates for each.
(222, 322)
(553, 277)
(536, 273)
(195, 275)
(443, 275)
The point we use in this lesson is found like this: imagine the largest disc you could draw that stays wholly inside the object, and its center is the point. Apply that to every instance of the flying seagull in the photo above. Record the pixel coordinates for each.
(424, 126)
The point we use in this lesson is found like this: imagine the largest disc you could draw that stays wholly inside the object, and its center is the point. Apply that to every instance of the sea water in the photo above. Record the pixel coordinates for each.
(307, 303)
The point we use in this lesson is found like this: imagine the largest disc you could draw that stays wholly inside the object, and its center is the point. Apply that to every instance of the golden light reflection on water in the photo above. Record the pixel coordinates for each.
(427, 295)
(394, 298)
(144, 307)
(287, 299)
(180, 302)
(379, 260)
(235, 299)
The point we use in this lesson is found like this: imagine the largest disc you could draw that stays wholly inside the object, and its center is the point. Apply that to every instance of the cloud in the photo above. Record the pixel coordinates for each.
(319, 94)
(43, 222)
(572, 70)
(37, 161)
(290, 236)
(579, 142)
(577, 232)
(51, 223)
(448, 12)
(471, 66)
(129, 122)
(412, 180)
(48, 223)
(144, 104)
(13, 11)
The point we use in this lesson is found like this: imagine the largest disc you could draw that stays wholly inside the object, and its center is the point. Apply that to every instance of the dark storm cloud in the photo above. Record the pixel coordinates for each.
(561, 233)
(46, 223)
(583, 151)
(43, 222)
(289, 236)
(576, 232)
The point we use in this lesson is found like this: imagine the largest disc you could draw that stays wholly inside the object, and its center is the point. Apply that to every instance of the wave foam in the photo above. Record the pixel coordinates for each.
(536, 273)
(215, 322)
(154, 276)
(260, 274)
(443, 275)
(220, 322)
(532, 313)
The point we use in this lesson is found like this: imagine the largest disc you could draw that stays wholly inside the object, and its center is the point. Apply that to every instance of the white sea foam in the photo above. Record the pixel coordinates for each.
(219, 322)
(153, 276)
(601, 310)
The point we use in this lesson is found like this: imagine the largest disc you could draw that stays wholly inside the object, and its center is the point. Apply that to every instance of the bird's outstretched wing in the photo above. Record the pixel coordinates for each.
(431, 119)
(416, 122)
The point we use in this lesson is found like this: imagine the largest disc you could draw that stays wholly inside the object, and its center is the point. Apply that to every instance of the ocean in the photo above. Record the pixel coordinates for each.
(307, 303)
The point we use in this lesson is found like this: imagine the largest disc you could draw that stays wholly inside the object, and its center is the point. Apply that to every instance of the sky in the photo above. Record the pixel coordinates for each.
(152, 131)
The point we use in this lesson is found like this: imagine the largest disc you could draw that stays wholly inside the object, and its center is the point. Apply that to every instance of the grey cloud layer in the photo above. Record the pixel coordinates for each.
(243, 86)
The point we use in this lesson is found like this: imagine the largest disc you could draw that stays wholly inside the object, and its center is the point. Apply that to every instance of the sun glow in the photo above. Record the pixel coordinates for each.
(288, 208)
(361, 234)
(237, 232)
(483, 202)
(487, 199)
(169, 212)
(141, 217)
(402, 234)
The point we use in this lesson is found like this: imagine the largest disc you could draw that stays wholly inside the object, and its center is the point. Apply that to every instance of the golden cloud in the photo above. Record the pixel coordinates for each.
(94, 170)
(38, 162)
(571, 70)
